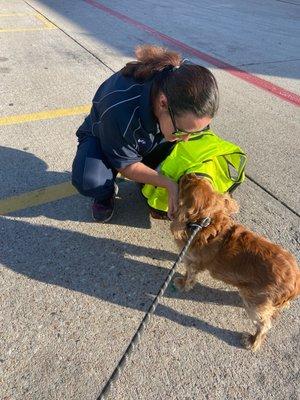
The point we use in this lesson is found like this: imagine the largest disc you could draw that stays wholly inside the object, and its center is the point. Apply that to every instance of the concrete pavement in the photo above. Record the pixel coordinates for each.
(74, 292)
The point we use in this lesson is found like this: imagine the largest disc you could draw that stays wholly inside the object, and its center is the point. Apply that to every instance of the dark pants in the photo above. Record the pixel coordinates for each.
(94, 177)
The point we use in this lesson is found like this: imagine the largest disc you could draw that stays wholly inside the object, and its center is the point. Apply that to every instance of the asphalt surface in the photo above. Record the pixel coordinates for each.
(73, 292)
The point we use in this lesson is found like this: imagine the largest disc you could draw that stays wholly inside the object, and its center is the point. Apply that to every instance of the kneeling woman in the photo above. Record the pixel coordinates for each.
(137, 116)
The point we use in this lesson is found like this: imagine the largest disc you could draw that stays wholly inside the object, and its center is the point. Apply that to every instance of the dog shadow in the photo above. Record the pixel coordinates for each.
(232, 338)
(204, 294)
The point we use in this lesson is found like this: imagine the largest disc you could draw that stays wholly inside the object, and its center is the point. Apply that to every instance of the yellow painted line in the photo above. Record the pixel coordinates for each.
(25, 29)
(56, 113)
(46, 24)
(45, 21)
(41, 196)
(14, 14)
(37, 197)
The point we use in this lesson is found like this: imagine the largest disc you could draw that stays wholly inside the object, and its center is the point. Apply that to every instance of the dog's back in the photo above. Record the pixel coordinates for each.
(265, 266)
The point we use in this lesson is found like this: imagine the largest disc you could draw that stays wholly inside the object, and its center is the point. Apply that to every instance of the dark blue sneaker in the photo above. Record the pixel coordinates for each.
(103, 211)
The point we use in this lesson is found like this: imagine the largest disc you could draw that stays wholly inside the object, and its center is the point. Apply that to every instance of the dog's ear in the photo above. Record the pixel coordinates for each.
(230, 204)
(189, 206)
(190, 198)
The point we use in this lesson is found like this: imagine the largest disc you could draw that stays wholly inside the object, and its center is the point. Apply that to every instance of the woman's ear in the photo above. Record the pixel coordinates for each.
(230, 204)
(162, 101)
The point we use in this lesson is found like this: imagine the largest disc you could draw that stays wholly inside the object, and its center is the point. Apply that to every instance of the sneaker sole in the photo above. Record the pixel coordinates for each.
(105, 220)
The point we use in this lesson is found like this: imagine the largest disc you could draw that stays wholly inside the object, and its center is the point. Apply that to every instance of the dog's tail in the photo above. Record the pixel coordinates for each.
(297, 286)
(292, 291)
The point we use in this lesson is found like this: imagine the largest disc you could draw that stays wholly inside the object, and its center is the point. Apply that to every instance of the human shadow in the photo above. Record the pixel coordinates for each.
(22, 172)
(99, 267)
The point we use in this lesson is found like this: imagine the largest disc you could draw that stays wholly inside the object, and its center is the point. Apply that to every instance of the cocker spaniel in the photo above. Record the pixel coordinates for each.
(266, 275)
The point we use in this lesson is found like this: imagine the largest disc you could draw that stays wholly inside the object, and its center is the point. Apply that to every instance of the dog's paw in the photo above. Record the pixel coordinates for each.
(182, 284)
(179, 283)
(287, 305)
(249, 342)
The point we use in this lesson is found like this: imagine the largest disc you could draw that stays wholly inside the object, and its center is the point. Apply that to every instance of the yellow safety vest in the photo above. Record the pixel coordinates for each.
(206, 154)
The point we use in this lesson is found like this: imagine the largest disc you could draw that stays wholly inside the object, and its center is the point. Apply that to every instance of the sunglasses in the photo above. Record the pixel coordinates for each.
(181, 132)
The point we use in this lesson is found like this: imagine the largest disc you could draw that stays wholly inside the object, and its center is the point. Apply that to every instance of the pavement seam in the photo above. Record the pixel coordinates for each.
(268, 62)
(287, 2)
(74, 40)
(272, 195)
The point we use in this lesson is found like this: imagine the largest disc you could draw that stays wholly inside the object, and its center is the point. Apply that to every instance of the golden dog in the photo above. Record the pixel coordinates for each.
(266, 275)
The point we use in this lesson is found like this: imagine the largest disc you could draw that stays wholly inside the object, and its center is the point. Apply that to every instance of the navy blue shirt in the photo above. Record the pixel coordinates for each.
(122, 118)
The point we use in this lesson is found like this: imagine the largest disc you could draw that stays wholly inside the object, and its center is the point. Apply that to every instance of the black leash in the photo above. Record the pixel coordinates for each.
(134, 341)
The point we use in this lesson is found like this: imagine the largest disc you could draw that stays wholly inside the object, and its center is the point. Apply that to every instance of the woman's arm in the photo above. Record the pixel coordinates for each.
(139, 172)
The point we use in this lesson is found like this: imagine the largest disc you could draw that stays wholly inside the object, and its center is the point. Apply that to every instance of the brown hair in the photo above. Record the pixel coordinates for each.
(188, 87)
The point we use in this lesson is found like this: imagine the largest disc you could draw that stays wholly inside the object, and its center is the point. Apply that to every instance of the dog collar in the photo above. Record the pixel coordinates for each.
(201, 223)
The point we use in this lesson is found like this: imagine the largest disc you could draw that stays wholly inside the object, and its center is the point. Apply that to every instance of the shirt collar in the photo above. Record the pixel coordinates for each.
(148, 120)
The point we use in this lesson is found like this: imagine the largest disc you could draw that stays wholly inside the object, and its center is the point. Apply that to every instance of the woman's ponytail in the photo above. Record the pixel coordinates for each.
(150, 60)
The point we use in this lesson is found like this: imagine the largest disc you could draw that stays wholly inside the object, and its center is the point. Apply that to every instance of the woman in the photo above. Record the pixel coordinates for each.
(137, 116)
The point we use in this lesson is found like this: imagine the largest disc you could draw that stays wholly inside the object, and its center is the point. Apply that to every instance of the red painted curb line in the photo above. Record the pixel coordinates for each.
(277, 91)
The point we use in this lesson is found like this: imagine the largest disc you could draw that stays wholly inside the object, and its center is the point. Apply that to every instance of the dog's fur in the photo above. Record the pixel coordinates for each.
(266, 275)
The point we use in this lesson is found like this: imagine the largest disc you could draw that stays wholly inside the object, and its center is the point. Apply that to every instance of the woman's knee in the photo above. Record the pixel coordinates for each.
(93, 185)
(91, 176)
(87, 185)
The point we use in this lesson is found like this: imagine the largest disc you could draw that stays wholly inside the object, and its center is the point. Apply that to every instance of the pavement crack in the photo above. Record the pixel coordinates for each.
(288, 2)
(272, 195)
(268, 62)
(71, 37)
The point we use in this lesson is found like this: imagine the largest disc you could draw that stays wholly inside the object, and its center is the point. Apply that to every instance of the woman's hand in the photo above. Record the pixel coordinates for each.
(139, 172)
(173, 198)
